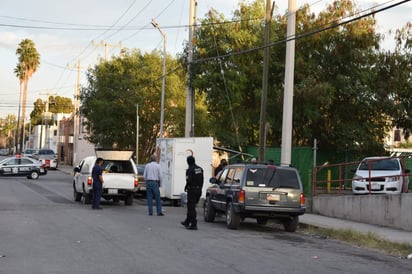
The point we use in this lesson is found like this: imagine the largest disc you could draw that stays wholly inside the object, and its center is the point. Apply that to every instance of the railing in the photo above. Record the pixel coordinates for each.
(337, 178)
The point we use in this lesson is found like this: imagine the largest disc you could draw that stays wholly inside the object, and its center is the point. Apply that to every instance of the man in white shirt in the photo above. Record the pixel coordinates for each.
(152, 178)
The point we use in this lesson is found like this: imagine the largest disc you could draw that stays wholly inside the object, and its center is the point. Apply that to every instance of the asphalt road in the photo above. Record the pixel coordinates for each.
(44, 231)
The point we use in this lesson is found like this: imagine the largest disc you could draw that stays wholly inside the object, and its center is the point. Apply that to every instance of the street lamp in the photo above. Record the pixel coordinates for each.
(162, 104)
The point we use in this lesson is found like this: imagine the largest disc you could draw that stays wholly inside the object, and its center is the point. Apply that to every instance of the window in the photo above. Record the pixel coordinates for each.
(118, 166)
(272, 177)
(397, 135)
(385, 164)
(234, 175)
(26, 162)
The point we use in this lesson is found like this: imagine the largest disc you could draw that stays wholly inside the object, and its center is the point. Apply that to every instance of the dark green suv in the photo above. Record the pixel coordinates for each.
(256, 191)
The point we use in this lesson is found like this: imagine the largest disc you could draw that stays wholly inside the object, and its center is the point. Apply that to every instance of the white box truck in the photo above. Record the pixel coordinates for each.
(173, 153)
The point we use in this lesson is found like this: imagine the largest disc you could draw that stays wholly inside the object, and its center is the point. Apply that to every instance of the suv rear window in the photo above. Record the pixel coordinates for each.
(272, 177)
(118, 166)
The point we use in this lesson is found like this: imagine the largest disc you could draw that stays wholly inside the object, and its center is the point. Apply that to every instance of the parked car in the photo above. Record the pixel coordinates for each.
(119, 175)
(22, 166)
(256, 191)
(48, 157)
(142, 184)
(4, 152)
(380, 175)
(28, 152)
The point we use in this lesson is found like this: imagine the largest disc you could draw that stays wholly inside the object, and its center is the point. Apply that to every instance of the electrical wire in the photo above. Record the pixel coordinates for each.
(225, 22)
(301, 36)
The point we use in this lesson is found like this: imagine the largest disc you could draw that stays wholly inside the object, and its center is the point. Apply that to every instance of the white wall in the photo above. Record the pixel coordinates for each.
(392, 210)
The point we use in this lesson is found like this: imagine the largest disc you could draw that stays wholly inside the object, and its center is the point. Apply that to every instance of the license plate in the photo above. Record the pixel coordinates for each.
(375, 186)
(42, 170)
(112, 191)
(273, 197)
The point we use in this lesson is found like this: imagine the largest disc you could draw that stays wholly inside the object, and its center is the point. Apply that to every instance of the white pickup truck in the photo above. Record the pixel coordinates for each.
(119, 175)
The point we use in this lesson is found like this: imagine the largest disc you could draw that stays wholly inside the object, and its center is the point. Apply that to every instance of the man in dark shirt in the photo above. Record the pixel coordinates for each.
(194, 184)
(220, 167)
(97, 175)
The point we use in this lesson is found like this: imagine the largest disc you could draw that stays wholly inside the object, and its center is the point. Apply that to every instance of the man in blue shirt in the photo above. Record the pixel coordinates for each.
(152, 178)
(97, 183)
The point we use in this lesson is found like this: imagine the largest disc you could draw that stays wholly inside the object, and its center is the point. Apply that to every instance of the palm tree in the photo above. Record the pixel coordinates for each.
(29, 61)
(19, 71)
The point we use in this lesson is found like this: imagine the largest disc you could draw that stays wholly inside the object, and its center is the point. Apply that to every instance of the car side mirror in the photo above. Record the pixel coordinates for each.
(213, 180)
(76, 169)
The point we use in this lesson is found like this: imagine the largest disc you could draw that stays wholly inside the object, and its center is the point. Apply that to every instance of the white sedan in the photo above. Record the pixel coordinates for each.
(380, 175)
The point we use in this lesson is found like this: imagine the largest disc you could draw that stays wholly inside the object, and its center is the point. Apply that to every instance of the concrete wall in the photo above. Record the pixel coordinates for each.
(386, 210)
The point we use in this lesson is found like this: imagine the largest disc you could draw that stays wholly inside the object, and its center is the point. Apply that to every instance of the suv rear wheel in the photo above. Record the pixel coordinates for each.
(291, 224)
(209, 212)
(232, 218)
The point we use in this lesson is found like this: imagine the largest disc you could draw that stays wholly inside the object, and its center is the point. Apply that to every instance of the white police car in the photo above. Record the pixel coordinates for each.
(22, 166)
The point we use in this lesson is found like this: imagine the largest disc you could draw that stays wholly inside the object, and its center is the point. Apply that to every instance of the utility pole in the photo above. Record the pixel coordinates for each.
(76, 115)
(162, 104)
(263, 103)
(137, 133)
(46, 118)
(190, 96)
(286, 147)
(106, 47)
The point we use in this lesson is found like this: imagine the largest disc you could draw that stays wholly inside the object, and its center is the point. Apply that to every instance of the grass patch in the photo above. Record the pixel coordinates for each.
(368, 240)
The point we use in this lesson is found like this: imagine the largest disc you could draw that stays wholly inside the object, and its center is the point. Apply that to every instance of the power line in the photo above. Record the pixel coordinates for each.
(304, 35)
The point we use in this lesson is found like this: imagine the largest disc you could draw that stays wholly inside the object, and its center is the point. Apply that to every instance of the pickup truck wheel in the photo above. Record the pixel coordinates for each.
(209, 211)
(262, 220)
(291, 225)
(34, 175)
(128, 200)
(87, 198)
(232, 218)
(76, 195)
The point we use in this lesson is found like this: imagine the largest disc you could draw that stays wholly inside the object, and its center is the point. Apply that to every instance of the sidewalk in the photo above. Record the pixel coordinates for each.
(390, 234)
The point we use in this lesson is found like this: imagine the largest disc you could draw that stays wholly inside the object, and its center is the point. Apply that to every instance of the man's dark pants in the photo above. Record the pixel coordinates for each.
(97, 194)
(193, 196)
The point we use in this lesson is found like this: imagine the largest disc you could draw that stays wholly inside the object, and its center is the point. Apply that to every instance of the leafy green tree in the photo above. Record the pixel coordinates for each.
(231, 84)
(339, 94)
(335, 96)
(400, 86)
(57, 104)
(28, 62)
(8, 127)
(115, 89)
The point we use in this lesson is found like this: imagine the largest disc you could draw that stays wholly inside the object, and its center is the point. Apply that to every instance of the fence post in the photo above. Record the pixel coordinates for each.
(329, 179)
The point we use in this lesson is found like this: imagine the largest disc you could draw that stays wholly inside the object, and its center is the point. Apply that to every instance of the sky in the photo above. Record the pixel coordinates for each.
(67, 33)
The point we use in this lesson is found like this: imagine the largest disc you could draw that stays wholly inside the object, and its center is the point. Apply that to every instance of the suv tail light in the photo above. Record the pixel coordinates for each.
(241, 198)
(89, 181)
(302, 199)
(136, 182)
